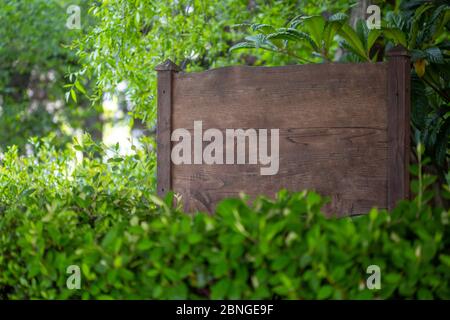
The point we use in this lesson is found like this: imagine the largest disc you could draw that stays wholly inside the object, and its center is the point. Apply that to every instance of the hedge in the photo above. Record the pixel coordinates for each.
(103, 216)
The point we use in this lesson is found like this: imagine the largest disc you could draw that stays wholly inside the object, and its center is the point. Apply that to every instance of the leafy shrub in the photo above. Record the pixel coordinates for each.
(102, 216)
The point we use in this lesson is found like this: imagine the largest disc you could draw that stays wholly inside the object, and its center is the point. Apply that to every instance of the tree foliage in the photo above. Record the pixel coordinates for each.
(132, 37)
(34, 63)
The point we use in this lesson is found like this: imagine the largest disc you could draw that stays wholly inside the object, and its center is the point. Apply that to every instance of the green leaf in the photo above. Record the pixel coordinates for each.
(416, 24)
(220, 289)
(137, 19)
(352, 39)
(315, 26)
(262, 27)
(290, 34)
(80, 87)
(330, 31)
(144, 245)
(445, 259)
(73, 95)
(374, 34)
(325, 292)
(342, 17)
(434, 55)
(395, 35)
(115, 160)
(243, 45)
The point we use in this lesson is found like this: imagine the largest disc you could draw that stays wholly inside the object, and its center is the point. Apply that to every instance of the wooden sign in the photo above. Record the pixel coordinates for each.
(343, 131)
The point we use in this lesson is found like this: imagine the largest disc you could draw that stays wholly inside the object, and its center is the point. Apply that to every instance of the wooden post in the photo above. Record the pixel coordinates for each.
(164, 126)
(398, 103)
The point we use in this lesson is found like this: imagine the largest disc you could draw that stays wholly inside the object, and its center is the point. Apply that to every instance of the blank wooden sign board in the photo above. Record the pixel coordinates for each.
(343, 131)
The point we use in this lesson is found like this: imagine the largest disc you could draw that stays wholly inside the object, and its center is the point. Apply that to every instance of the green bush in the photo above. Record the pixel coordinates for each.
(103, 216)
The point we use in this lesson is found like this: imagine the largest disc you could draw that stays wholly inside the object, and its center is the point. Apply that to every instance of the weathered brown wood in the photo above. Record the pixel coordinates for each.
(322, 95)
(165, 74)
(333, 122)
(347, 164)
(398, 125)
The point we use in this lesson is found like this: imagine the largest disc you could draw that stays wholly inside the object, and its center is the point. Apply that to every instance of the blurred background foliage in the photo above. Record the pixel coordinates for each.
(34, 65)
(132, 37)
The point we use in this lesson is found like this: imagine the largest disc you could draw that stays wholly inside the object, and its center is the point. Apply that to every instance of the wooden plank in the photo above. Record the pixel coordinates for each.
(398, 125)
(348, 164)
(323, 95)
(333, 131)
(165, 73)
(344, 130)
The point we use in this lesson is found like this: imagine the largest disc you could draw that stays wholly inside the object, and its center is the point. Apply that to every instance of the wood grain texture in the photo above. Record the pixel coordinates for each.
(344, 163)
(398, 125)
(333, 121)
(164, 125)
